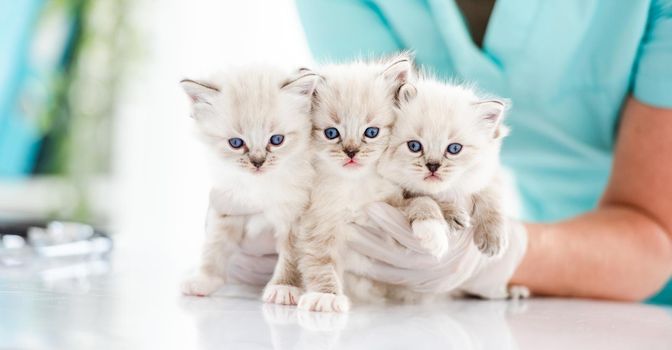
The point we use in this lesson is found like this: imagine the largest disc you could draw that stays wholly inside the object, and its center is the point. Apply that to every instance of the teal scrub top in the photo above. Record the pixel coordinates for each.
(567, 67)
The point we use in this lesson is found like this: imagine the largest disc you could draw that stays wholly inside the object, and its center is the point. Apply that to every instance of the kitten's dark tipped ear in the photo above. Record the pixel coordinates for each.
(405, 93)
(199, 92)
(491, 113)
(399, 69)
(400, 73)
(304, 82)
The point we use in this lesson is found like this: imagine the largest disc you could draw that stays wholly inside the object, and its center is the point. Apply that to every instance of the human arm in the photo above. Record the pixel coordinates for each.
(623, 249)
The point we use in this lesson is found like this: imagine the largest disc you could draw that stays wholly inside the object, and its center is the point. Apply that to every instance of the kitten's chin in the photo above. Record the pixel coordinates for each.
(432, 178)
(352, 169)
(429, 185)
(264, 171)
(352, 165)
(258, 172)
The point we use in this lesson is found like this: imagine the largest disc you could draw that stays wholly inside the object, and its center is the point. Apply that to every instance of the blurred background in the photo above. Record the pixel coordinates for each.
(94, 127)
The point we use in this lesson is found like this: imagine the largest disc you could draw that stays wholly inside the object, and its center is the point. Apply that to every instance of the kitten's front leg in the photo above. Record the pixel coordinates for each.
(285, 285)
(428, 224)
(322, 276)
(489, 222)
(221, 236)
(457, 217)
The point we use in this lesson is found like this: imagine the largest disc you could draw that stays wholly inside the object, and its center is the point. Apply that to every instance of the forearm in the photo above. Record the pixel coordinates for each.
(613, 253)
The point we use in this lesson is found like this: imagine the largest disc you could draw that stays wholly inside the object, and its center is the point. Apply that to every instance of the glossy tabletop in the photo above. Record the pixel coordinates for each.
(131, 301)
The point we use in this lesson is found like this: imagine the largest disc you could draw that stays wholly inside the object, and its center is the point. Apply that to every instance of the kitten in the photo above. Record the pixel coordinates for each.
(445, 145)
(256, 122)
(353, 114)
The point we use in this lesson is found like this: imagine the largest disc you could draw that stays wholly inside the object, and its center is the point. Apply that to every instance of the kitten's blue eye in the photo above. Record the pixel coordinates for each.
(371, 132)
(276, 140)
(454, 148)
(414, 146)
(236, 142)
(331, 133)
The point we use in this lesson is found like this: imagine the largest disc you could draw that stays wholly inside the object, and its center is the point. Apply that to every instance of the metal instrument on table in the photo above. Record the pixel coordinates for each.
(23, 244)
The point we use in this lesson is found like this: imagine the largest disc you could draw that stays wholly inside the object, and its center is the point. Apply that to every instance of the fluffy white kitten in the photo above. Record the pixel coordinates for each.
(444, 153)
(256, 122)
(353, 114)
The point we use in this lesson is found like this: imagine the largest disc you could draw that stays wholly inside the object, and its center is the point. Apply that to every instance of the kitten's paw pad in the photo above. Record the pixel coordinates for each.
(432, 236)
(324, 302)
(459, 220)
(490, 242)
(281, 294)
(201, 285)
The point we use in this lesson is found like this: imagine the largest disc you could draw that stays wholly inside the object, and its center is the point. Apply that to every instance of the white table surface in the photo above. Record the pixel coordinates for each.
(132, 302)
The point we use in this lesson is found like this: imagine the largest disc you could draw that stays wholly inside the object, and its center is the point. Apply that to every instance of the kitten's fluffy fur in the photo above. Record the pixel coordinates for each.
(463, 187)
(253, 104)
(261, 184)
(462, 193)
(352, 98)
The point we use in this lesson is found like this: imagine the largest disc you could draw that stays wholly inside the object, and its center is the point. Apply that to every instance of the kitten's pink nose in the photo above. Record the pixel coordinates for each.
(433, 167)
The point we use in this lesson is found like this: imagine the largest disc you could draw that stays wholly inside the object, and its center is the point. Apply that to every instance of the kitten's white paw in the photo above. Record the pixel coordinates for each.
(324, 302)
(281, 294)
(432, 236)
(201, 285)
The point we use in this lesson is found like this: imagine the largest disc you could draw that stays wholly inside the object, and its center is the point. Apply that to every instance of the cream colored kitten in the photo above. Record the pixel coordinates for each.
(256, 122)
(445, 145)
(353, 114)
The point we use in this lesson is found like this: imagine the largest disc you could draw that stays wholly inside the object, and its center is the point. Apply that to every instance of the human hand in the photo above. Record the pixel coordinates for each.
(397, 257)
(254, 261)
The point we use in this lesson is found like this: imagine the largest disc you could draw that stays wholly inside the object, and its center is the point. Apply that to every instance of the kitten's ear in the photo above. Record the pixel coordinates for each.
(405, 93)
(399, 72)
(399, 69)
(304, 82)
(491, 113)
(199, 92)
